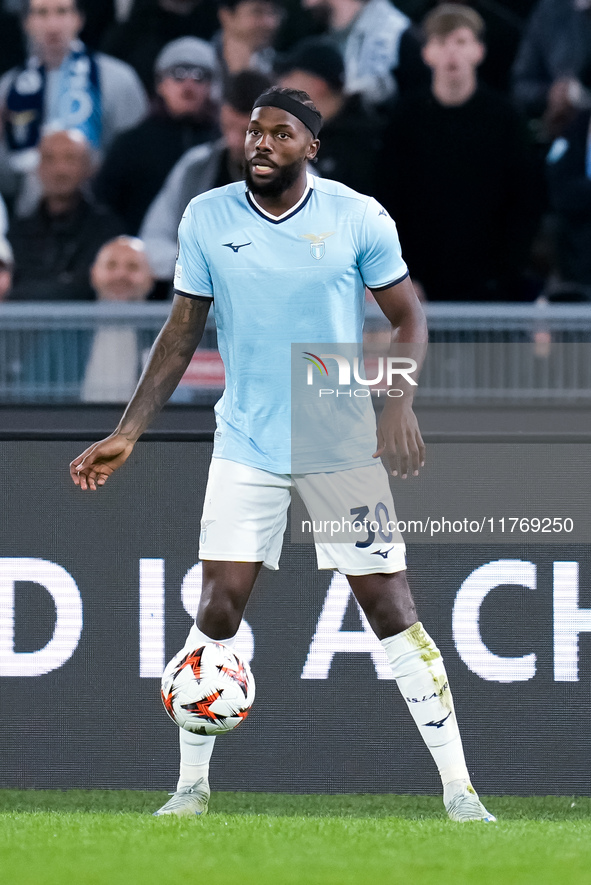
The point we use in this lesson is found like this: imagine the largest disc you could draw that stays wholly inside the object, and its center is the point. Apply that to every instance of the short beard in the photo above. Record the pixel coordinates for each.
(288, 175)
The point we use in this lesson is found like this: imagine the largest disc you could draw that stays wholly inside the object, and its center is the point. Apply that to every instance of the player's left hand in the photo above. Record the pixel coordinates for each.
(94, 466)
(399, 438)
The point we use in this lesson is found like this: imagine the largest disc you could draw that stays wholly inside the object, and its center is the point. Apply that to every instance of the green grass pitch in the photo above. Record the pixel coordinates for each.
(103, 837)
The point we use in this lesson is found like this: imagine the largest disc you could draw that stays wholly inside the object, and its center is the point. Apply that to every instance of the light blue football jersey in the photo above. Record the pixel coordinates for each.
(276, 282)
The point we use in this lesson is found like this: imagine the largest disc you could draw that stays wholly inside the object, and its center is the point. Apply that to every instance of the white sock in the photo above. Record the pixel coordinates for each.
(418, 669)
(196, 749)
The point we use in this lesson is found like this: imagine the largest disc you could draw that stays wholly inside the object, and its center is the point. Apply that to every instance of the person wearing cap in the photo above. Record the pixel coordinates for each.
(184, 114)
(247, 31)
(151, 24)
(6, 268)
(350, 132)
(286, 257)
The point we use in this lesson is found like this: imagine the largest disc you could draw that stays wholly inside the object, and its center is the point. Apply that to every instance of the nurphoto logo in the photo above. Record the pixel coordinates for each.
(387, 368)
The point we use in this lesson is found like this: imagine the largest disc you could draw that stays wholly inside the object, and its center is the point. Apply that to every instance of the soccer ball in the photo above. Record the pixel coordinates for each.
(207, 690)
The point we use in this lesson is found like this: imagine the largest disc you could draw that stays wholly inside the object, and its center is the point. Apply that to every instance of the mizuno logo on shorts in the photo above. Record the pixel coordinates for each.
(382, 553)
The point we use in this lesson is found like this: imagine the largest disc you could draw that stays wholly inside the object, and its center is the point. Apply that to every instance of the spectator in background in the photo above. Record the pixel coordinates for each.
(245, 39)
(121, 273)
(504, 22)
(97, 16)
(552, 71)
(64, 85)
(209, 165)
(350, 135)
(6, 268)
(184, 114)
(152, 24)
(55, 245)
(457, 172)
(569, 182)
(379, 46)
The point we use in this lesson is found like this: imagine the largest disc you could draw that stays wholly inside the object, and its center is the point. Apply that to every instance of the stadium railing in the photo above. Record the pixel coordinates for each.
(503, 353)
(493, 352)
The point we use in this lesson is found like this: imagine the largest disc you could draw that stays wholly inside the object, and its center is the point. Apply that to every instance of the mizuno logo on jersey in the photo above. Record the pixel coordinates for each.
(234, 247)
(317, 245)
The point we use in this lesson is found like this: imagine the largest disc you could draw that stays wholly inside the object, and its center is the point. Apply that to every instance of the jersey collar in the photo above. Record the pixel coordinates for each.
(277, 219)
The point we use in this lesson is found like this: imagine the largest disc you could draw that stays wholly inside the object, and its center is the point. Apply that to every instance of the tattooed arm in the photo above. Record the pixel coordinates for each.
(169, 357)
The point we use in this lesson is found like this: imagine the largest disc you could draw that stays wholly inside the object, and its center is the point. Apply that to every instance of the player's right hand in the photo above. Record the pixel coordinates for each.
(95, 465)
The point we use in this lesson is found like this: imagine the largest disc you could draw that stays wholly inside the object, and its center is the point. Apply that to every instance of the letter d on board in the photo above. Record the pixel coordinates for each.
(68, 624)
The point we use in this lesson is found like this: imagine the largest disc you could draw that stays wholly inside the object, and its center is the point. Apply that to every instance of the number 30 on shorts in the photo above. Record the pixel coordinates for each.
(380, 524)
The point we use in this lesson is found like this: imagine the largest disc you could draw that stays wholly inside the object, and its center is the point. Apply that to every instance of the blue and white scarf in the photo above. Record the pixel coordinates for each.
(77, 104)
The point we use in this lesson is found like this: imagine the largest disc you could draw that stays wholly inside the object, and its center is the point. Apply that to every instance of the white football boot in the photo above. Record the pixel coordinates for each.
(462, 803)
(188, 802)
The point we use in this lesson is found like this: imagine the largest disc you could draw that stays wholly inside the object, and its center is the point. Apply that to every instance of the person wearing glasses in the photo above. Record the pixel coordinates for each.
(184, 114)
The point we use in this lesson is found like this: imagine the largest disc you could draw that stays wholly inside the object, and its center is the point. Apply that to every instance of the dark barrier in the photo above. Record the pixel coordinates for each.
(97, 592)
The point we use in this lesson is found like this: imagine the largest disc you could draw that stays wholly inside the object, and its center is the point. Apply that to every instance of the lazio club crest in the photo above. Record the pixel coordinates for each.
(317, 245)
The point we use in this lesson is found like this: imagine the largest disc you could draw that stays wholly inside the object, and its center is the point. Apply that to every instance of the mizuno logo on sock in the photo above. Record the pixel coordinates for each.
(235, 247)
(438, 723)
(382, 553)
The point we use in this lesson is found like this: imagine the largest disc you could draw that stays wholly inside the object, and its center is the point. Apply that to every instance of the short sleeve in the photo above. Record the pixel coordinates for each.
(191, 272)
(380, 259)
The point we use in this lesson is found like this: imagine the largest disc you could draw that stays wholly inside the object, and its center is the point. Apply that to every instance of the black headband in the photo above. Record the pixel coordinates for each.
(311, 119)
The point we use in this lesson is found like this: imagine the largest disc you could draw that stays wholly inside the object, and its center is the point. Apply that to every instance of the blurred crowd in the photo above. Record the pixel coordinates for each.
(469, 123)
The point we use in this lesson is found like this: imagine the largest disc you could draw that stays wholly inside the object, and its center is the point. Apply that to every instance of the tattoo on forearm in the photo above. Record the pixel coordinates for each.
(168, 360)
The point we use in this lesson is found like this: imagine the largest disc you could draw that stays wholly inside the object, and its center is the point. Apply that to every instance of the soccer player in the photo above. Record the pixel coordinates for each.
(286, 258)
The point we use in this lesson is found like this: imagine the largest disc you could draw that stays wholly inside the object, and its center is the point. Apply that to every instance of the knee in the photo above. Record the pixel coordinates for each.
(222, 604)
(218, 617)
(387, 602)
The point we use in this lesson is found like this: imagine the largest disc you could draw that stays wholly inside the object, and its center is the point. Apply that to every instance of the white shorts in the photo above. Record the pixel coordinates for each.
(245, 515)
